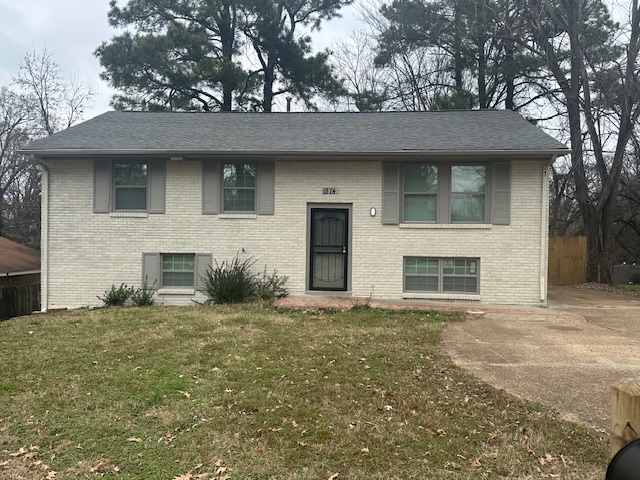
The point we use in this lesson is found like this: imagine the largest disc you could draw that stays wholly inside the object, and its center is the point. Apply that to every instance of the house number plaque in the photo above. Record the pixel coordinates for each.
(330, 191)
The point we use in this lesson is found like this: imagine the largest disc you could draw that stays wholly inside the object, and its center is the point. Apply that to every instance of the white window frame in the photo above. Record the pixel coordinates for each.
(441, 275)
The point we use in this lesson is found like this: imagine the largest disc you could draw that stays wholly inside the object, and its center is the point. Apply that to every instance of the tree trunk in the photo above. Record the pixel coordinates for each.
(601, 245)
(510, 76)
(2, 214)
(458, 60)
(227, 38)
(591, 216)
(483, 101)
(267, 91)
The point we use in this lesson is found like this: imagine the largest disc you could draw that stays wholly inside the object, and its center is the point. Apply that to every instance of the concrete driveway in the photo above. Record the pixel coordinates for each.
(565, 356)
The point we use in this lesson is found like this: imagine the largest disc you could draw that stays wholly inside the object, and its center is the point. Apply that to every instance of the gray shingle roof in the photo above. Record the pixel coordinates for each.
(173, 132)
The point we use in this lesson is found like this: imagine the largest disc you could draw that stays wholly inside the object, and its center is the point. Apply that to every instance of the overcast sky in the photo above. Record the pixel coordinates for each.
(73, 29)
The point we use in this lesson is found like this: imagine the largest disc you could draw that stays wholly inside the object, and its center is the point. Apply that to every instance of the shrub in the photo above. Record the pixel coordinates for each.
(271, 287)
(116, 297)
(230, 282)
(143, 297)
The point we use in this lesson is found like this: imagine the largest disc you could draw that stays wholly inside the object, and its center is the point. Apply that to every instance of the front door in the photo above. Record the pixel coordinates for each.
(328, 249)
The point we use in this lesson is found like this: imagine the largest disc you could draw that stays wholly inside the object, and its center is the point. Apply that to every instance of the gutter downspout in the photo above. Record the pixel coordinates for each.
(44, 239)
(544, 231)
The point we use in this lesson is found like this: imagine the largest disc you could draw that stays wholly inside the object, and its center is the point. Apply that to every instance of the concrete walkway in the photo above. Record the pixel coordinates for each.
(558, 356)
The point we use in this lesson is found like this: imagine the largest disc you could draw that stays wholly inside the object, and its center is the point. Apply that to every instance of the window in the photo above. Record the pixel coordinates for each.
(178, 270)
(441, 275)
(420, 193)
(130, 183)
(468, 193)
(239, 187)
(460, 275)
(181, 272)
(125, 185)
(444, 193)
(421, 274)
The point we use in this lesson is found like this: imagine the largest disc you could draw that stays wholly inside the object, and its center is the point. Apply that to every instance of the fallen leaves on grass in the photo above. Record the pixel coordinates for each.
(27, 462)
(392, 406)
(217, 471)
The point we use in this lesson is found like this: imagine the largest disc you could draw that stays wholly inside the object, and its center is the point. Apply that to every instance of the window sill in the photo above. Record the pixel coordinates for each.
(245, 216)
(472, 297)
(452, 226)
(176, 291)
(128, 214)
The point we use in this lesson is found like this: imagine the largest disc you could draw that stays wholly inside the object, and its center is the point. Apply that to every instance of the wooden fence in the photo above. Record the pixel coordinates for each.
(567, 260)
(16, 301)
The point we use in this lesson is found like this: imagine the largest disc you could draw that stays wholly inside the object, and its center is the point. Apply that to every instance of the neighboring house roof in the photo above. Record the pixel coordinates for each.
(16, 258)
(455, 131)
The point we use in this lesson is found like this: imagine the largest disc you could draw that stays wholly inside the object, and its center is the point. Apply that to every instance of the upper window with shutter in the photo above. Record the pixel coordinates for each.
(130, 181)
(442, 192)
(420, 193)
(238, 187)
(129, 186)
(468, 199)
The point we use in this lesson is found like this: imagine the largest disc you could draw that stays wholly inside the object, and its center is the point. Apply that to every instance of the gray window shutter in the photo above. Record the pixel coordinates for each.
(211, 184)
(151, 270)
(203, 262)
(266, 188)
(390, 193)
(101, 186)
(157, 186)
(501, 204)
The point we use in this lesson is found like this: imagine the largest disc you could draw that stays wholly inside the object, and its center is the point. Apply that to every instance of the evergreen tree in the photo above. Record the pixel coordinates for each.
(186, 54)
(181, 56)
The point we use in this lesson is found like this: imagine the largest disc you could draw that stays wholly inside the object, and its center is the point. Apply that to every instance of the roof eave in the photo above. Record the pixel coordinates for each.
(20, 273)
(300, 153)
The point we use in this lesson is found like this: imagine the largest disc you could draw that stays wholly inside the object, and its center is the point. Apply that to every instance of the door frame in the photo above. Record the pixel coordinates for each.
(330, 206)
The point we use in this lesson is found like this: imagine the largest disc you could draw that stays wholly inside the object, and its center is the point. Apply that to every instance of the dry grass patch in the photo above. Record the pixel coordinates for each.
(628, 289)
(249, 393)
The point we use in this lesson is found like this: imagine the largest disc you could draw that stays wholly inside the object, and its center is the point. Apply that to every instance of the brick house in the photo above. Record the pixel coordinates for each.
(435, 205)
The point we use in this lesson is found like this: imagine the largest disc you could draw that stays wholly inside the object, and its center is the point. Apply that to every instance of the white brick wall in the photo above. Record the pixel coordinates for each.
(89, 252)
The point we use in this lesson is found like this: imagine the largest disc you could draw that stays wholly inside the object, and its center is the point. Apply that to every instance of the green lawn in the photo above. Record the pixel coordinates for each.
(249, 393)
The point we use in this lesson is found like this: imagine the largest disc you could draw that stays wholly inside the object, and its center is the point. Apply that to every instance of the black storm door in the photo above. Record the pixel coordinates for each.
(329, 242)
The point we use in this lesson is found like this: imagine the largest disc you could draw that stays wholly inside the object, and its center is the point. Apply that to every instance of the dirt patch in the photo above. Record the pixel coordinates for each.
(590, 295)
(601, 306)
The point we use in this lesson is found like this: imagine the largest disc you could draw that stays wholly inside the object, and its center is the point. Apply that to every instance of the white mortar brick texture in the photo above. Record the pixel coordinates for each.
(89, 252)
